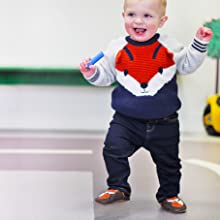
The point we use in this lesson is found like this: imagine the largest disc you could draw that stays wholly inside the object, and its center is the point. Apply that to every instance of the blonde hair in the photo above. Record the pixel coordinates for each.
(162, 2)
(164, 5)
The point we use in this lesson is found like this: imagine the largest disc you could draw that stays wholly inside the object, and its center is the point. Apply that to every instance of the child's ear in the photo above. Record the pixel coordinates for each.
(123, 14)
(163, 21)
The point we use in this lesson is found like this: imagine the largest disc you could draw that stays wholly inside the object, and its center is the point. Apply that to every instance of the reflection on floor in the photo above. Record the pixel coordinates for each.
(49, 177)
(46, 195)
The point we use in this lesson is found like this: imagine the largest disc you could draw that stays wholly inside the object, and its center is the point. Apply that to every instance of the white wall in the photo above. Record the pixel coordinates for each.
(55, 33)
(54, 108)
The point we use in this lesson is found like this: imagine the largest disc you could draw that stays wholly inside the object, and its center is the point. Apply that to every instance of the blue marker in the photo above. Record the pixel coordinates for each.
(95, 59)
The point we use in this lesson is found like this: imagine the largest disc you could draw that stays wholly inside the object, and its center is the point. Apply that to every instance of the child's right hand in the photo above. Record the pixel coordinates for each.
(87, 71)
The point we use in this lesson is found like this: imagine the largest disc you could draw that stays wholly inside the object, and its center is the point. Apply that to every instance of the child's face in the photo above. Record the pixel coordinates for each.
(143, 18)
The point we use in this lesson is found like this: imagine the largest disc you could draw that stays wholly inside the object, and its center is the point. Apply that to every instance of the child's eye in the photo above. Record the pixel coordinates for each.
(130, 14)
(147, 16)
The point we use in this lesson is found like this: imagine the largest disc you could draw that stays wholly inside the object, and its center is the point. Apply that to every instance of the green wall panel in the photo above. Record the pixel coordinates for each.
(42, 76)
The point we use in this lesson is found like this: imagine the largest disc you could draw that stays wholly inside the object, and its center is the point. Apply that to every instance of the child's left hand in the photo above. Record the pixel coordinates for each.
(204, 34)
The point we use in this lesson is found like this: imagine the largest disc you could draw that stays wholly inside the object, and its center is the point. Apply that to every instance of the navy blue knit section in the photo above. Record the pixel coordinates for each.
(164, 103)
(129, 53)
(156, 51)
(145, 43)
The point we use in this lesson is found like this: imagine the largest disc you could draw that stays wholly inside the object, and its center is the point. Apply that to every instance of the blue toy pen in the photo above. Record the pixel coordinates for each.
(95, 59)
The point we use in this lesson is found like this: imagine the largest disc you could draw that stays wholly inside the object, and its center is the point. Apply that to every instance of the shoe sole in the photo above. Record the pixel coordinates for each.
(108, 201)
(174, 211)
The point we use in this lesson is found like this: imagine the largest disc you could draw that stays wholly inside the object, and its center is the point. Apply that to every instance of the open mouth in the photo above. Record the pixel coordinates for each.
(140, 30)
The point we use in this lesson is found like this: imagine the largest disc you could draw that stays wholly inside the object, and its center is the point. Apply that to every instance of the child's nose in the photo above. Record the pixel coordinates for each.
(138, 20)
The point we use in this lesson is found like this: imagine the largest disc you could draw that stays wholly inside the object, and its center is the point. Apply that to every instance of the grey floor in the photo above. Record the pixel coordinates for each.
(56, 177)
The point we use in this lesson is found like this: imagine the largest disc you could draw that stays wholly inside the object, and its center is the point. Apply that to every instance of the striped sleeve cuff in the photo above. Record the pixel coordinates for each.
(200, 46)
(94, 77)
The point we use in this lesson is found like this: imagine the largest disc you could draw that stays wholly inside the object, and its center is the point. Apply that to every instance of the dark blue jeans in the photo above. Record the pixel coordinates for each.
(160, 137)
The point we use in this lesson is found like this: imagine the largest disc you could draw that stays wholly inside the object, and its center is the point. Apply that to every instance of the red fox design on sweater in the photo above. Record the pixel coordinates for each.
(143, 62)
